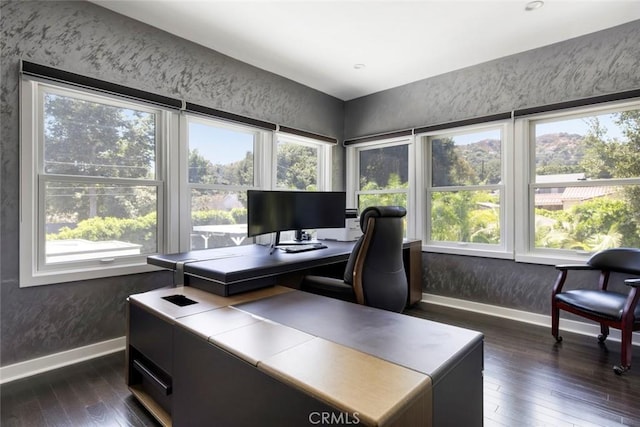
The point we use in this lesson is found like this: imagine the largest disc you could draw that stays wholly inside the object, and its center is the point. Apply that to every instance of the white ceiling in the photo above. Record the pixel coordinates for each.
(317, 43)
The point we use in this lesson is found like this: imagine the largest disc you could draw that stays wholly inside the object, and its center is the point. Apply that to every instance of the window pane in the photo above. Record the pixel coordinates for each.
(592, 147)
(218, 219)
(465, 216)
(220, 155)
(587, 218)
(297, 166)
(89, 221)
(92, 139)
(468, 159)
(384, 168)
(386, 199)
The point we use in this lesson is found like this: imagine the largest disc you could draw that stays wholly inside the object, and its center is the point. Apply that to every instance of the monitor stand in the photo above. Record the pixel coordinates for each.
(296, 241)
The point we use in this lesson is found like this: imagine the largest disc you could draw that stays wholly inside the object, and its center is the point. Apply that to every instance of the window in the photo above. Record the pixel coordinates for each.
(301, 163)
(384, 173)
(91, 184)
(465, 189)
(582, 189)
(223, 162)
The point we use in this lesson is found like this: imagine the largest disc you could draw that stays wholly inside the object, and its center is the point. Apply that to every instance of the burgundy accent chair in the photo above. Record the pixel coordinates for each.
(608, 308)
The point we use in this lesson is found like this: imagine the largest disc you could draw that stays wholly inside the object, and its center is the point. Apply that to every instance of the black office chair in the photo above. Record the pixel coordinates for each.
(609, 308)
(375, 274)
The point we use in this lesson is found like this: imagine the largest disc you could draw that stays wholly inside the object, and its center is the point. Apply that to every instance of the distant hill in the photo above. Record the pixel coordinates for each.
(560, 147)
(555, 152)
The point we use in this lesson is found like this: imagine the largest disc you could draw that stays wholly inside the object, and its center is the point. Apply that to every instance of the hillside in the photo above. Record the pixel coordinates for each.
(555, 153)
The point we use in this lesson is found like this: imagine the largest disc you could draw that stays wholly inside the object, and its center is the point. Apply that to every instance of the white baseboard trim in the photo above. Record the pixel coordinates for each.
(53, 361)
(591, 329)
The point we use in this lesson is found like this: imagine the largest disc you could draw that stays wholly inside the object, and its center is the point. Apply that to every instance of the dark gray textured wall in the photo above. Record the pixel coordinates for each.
(86, 39)
(519, 286)
(596, 64)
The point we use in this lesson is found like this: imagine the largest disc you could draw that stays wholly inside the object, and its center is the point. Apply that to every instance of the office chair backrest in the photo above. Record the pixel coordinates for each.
(375, 268)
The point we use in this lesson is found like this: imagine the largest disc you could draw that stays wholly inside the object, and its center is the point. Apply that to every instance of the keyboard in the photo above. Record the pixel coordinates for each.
(292, 249)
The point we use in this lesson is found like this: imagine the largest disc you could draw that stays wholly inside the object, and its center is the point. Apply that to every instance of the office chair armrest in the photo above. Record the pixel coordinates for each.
(632, 282)
(566, 267)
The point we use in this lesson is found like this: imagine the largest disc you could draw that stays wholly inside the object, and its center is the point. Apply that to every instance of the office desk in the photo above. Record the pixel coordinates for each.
(282, 357)
(233, 270)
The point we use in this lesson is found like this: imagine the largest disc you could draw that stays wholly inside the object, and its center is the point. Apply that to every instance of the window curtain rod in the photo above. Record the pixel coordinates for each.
(583, 102)
(306, 134)
(465, 122)
(378, 137)
(37, 70)
(212, 112)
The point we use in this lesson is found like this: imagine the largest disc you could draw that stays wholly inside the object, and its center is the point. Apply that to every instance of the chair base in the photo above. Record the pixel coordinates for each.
(619, 370)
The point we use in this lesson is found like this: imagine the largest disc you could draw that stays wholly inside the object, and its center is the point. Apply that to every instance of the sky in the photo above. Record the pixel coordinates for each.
(219, 145)
(578, 126)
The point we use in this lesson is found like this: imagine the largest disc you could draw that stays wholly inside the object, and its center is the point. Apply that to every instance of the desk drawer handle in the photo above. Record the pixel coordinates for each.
(146, 371)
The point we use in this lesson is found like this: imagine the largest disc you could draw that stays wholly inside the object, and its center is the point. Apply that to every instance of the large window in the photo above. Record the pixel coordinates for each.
(91, 183)
(465, 188)
(583, 181)
(225, 160)
(384, 173)
(222, 163)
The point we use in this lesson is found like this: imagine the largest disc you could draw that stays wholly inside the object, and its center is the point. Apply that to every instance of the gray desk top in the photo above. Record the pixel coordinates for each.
(428, 347)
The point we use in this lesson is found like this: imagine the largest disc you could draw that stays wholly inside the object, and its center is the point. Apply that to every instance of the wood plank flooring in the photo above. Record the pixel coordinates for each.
(528, 381)
(91, 393)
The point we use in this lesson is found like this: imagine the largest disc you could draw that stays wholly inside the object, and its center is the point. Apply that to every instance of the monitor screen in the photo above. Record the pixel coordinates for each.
(274, 211)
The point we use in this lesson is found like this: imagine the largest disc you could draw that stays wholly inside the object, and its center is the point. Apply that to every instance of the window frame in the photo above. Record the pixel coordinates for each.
(325, 157)
(353, 179)
(503, 250)
(525, 180)
(261, 172)
(265, 162)
(33, 269)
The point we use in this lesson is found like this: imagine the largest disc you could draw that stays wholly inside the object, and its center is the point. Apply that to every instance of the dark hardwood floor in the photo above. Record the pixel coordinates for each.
(528, 381)
(91, 393)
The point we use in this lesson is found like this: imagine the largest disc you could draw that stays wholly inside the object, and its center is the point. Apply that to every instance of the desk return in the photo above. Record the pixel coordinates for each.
(282, 357)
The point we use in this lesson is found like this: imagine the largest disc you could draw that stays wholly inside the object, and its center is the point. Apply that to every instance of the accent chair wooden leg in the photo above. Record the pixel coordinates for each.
(625, 356)
(604, 332)
(555, 321)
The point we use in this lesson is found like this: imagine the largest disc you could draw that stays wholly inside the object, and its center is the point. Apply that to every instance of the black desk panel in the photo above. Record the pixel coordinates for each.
(232, 270)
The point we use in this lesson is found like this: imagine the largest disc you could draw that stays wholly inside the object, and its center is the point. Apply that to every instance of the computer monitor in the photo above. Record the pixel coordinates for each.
(276, 211)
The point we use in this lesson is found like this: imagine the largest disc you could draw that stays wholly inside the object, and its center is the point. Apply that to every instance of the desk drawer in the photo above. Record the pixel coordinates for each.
(152, 382)
(152, 337)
